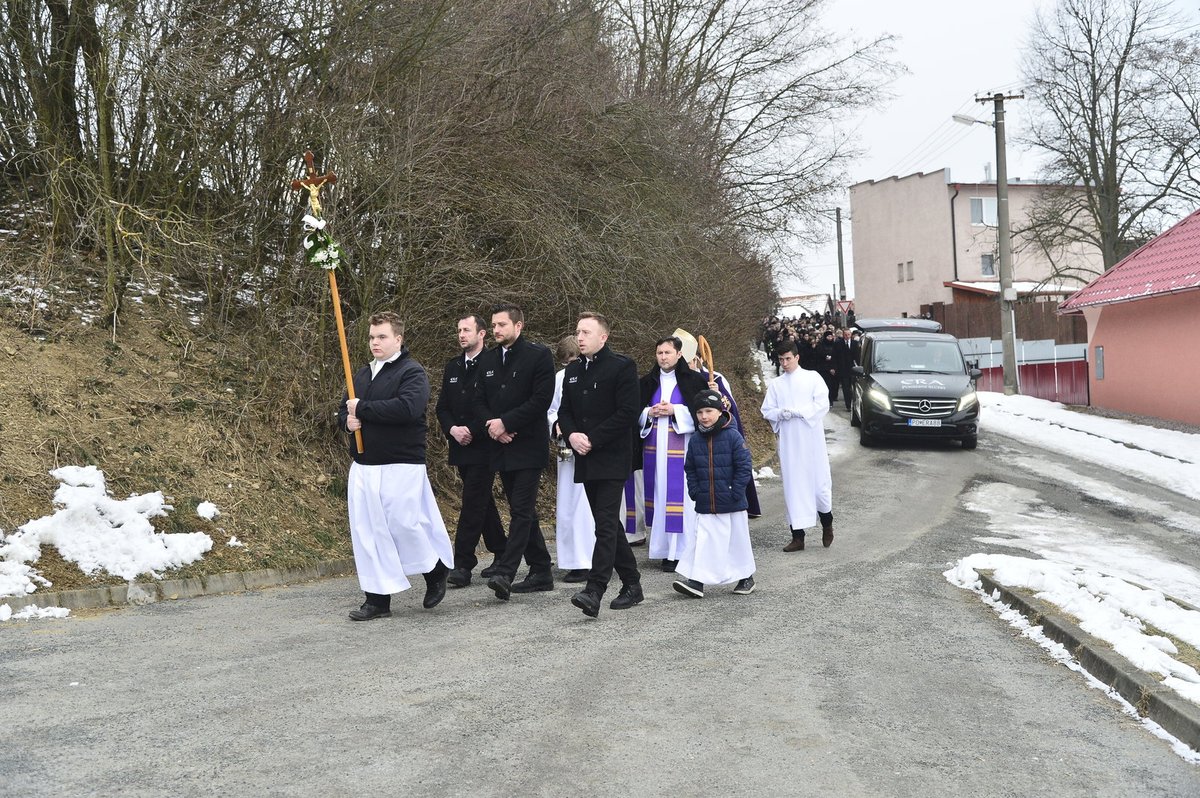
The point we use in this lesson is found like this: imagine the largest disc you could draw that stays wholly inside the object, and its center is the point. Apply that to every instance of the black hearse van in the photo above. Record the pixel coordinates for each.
(912, 381)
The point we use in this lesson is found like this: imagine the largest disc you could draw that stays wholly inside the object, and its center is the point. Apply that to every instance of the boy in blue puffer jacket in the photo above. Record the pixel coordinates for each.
(717, 466)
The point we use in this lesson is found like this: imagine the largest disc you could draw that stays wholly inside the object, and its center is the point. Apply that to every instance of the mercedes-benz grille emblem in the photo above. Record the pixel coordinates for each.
(924, 407)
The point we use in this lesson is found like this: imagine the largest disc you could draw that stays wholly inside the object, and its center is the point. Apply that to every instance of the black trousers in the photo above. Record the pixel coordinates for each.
(380, 600)
(478, 517)
(845, 378)
(832, 382)
(524, 533)
(612, 546)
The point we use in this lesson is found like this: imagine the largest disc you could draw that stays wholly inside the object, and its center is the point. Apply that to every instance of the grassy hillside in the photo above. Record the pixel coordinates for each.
(165, 404)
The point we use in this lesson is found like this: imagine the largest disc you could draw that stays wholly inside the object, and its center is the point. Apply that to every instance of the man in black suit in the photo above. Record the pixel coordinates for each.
(470, 451)
(599, 407)
(515, 388)
(845, 357)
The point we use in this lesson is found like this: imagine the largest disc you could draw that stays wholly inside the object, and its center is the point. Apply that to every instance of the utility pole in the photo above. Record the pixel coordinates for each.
(1008, 296)
(841, 264)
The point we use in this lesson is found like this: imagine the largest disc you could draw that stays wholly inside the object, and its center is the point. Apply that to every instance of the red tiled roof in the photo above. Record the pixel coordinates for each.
(1167, 264)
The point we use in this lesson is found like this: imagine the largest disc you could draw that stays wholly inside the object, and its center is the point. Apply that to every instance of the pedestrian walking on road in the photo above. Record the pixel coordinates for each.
(516, 386)
(718, 466)
(470, 451)
(574, 528)
(395, 525)
(600, 405)
(795, 405)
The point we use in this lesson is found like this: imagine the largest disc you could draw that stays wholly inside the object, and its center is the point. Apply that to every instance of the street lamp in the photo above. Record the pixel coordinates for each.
(1008, 336)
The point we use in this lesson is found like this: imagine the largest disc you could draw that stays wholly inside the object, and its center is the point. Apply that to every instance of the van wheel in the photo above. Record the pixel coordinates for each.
(865, 438)
(970, 443)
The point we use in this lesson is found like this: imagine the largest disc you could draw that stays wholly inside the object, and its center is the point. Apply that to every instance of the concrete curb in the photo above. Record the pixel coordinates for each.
(1152, 699)
(171, 589)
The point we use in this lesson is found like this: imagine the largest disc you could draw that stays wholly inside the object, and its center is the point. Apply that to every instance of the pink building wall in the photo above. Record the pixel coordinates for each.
(1151, 363)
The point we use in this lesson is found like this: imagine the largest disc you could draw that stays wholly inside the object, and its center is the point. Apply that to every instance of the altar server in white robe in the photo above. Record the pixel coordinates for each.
(575, 529)
(666, 425)
(395, 526)
(796, 405)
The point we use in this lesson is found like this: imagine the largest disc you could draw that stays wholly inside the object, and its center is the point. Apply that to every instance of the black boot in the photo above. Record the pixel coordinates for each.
(826, 528)
(797, 543)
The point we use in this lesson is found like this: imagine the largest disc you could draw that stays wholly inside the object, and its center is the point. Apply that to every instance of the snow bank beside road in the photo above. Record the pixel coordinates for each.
(1164, 457)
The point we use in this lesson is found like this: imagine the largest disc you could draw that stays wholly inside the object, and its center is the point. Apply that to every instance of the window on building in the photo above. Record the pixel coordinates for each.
(983, 211)
(1099, 362)
(987, 265)
(899, 272)
(910, 271)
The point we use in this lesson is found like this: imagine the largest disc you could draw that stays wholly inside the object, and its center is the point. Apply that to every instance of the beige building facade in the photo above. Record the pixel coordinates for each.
(912, 235)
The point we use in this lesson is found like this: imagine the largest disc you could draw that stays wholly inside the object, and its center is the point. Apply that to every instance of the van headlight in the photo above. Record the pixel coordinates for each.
(879, 398)
(967, 400)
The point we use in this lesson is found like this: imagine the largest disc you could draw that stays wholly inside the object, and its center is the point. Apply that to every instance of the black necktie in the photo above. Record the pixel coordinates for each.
(503, 356)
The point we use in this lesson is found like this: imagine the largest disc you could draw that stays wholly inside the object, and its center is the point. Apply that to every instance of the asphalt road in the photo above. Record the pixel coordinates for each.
(856, 670)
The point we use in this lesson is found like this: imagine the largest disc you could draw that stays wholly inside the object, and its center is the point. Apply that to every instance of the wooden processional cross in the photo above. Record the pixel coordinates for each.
(313, 184)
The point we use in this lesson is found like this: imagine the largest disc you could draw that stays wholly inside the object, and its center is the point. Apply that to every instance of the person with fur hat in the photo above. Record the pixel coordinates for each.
(718, 466)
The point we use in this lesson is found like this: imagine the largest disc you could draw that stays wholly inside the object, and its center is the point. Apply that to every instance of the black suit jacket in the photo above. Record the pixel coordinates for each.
(843, 356)
(519, 394)
(456, 408)
(391, 408)
(601, 401)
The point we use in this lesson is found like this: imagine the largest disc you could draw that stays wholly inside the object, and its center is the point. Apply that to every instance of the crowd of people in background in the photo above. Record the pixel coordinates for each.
(826, 344)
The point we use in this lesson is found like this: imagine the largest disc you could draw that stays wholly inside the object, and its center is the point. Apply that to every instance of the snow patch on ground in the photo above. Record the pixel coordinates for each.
(31, 612)
(207, 510)
(1167, 458)
(97, 533)
(1106, 607)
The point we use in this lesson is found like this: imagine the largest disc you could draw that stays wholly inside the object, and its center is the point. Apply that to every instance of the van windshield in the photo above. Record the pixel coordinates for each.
(928, 357)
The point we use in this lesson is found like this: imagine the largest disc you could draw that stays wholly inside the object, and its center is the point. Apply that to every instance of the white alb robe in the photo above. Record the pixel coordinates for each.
(666, 545)
(796, 405)
(639, 505)
(719, 552)
(575, 529)
(396, 527)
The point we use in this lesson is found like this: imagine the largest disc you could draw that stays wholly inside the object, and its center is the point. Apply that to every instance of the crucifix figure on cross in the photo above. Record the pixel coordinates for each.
(327, 253)
(313, 183)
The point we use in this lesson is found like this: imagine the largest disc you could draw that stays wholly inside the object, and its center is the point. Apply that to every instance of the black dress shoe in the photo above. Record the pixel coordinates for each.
(587, 601)
(459, 577)
(369, 612)
(533, 582)
(576, 575)
(668, 566)
(629, 596)
(435, 591)
(489, 572)
(502, 586)
(641, 542)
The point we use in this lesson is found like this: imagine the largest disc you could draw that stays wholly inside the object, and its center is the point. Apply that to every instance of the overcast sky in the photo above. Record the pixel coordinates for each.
(954, 51)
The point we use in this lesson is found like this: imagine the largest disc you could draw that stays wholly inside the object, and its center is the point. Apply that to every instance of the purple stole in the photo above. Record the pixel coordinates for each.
(675, 476)
(630, 508)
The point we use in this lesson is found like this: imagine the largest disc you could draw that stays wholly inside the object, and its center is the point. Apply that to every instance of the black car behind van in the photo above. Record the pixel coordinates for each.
(913, 383)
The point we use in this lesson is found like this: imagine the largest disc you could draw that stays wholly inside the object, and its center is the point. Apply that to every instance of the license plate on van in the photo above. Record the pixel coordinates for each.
(924, 422)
